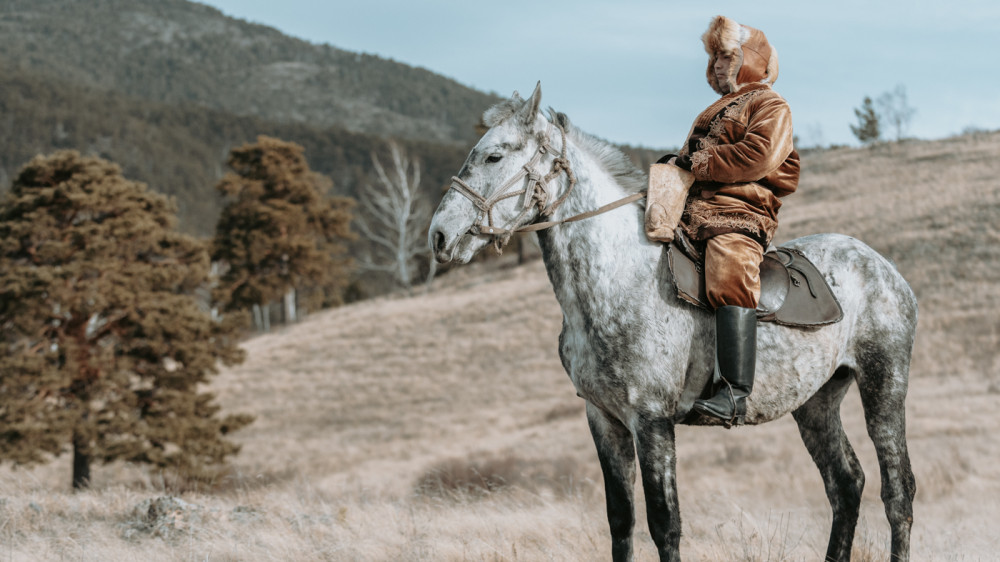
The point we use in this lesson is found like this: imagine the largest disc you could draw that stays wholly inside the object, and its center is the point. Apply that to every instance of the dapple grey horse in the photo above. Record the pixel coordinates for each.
(629, 344)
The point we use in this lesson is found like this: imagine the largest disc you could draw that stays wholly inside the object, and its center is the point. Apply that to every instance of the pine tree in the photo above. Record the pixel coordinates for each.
(867, 130)
(104, 344)
(279, 231)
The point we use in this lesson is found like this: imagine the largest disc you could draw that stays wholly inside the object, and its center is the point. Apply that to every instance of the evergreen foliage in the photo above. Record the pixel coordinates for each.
(867, 130)
(279, 231)
(104, 343)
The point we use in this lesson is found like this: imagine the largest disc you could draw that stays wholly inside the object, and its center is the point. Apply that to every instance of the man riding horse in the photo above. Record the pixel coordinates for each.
(630, 341)
(738, 160)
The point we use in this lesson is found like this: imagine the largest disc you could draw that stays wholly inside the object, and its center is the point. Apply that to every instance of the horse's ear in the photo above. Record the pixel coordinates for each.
(530, 109)
(558, 118)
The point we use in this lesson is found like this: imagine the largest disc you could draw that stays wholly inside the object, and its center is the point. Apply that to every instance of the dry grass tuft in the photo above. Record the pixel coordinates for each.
(475, 478)
(751, 541)
(870, 547)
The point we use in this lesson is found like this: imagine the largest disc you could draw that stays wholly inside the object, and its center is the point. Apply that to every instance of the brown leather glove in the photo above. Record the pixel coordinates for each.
(683, 162)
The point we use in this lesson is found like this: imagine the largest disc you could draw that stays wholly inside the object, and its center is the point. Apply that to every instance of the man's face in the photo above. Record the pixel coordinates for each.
(723, 63)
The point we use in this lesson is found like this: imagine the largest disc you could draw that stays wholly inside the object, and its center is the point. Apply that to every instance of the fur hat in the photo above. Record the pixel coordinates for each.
(754, 59)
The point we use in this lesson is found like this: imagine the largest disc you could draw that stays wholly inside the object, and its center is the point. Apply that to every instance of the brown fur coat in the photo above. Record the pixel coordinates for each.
(740, 148)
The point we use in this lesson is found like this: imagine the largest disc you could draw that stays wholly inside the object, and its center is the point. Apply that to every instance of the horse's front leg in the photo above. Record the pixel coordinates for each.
(658, 463)
(617, 455)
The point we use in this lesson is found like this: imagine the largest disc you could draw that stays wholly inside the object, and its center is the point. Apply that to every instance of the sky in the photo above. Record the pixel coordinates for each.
(633, 71)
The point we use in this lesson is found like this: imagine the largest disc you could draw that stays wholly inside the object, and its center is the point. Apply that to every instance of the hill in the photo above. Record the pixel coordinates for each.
(442, 427)
(181, 52)
(933, 208)
(179, 149)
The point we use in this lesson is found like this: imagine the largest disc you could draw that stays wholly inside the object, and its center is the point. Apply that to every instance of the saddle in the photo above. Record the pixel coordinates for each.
(792, 291)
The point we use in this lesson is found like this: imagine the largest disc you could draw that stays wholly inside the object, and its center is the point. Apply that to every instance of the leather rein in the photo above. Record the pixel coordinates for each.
(535, 193)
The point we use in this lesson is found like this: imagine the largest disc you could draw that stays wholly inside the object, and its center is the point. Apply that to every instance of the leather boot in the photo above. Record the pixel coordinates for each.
(735, 355)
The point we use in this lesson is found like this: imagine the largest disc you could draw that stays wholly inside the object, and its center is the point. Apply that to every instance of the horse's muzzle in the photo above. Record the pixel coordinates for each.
(439, 246)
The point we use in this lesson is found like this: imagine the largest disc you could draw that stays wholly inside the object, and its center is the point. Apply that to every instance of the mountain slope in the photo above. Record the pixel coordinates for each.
(933, 208)
(182, 52)
(179, 149)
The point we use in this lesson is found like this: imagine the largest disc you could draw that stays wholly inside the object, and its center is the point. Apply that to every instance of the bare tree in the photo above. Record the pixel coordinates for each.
(894, 111)
(394, 218)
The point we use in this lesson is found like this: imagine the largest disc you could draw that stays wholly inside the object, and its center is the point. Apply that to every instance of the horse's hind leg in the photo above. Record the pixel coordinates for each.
(882, 382)
(824, 437)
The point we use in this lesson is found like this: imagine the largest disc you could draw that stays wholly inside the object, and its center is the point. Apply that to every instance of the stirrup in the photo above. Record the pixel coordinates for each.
(734, 419)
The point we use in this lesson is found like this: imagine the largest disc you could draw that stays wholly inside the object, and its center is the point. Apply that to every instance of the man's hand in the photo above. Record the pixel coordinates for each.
(682, 162)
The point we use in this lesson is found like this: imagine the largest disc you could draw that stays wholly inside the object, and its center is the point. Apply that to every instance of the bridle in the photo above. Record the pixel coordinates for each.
(535, 193)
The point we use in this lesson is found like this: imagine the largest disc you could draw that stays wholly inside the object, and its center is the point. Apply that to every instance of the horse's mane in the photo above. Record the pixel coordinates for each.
(611, 158)
(500, 111)
(625, 172)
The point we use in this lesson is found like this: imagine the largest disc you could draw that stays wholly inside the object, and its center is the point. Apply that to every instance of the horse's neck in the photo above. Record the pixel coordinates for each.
(602, 257)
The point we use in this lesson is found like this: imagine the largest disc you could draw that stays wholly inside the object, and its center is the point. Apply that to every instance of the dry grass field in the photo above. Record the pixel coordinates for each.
(442, 427)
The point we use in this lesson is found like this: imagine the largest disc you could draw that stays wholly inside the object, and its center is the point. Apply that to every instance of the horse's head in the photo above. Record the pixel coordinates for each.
(497, 189)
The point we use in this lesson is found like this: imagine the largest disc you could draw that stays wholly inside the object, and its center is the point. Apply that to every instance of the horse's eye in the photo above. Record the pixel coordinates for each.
(493, 158)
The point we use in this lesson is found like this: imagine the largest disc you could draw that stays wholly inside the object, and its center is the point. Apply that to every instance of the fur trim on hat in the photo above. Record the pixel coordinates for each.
(772, 66)
(726, 35)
